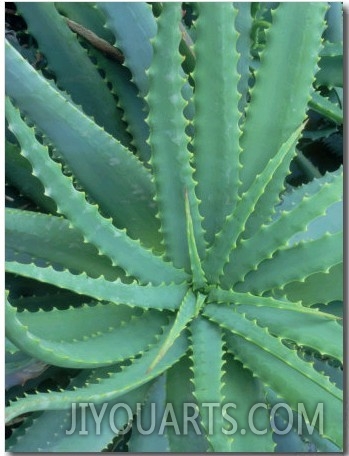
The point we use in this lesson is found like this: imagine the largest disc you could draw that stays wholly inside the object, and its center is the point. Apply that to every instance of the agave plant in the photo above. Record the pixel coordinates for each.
(164, 260)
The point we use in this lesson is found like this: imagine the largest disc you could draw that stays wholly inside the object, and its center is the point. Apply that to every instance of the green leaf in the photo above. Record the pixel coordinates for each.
(68, 59)
(19, 173)
(56, 298)
(180, 393)
(300, 438)
(198, 275)
(133, 25)
(329, 367)
(58, 423)
(188, 309)
(244, 391)
(134, 295)
(288, 320)
(49, 239)
(216, 142)
(303, 328)
(91, 349)
(321, 287)
(95, 317)
(186, 49)
(334, 17)
(295, 263)
(284, 94)
(134, 108)
(330, 72)
(273, 362)
(330, 221)
(207, 357)
(325, 107)
(97, 230)
(292, 441)
(170, 158)
(145, 436)
(122, 187)
(234, 225)
(306, 167)
(294, 196)
(10, 348)
(116, 381)
(250, 252)
(218, 295)
(243, 25)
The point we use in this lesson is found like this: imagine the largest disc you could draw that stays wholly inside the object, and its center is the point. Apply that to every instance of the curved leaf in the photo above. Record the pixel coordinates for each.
(117, 380)
(250, 252)
(234, 226)
(302, 328)
(295, 263)
(44, 238)
(58, 423)
(273, 362)
(111, 241)
(134, 295)
(122, 186)
(93, 349)
(188, 309)
(321, 287)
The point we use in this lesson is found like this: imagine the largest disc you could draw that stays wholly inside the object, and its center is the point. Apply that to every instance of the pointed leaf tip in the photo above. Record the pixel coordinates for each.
(198, 276)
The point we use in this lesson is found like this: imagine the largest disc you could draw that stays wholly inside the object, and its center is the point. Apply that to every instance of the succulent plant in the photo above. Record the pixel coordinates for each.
(164, 261)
